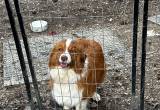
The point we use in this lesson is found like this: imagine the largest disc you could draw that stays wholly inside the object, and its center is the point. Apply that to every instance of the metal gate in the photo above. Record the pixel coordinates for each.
(135, 98)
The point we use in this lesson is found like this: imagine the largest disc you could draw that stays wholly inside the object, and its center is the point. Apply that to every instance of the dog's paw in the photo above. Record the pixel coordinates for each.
(96, 97)
(66, 108)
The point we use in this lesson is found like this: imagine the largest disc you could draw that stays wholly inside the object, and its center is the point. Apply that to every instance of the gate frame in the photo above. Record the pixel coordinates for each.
(29, 57)
(134, 51)
(21, 56)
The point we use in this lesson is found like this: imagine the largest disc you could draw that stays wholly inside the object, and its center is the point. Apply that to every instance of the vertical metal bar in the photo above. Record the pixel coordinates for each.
(20, 53)
(28, 52)
(134, 43)
(143, 55)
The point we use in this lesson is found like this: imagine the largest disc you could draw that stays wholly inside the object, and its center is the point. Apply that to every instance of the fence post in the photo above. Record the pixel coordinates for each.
(28, 53)
(20, 53)
(143, 55)
(134, 105)
(134, 43)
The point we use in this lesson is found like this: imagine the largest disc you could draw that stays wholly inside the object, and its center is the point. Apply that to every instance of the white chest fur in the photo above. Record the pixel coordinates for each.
(65, 90)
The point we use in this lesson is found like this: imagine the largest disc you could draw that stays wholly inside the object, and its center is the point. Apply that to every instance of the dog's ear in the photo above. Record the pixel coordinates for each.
(52, 57)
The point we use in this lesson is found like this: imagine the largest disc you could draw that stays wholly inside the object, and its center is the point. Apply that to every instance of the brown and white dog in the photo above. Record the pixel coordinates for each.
(76, 68)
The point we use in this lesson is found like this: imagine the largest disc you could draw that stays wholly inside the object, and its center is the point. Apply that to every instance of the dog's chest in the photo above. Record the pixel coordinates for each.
(67, 94)
(65, 90)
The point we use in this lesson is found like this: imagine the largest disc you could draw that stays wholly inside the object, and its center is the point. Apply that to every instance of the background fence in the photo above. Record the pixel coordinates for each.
(108, 22)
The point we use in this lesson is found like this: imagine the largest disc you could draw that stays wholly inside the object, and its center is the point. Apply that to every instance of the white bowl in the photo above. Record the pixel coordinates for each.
(39, 26)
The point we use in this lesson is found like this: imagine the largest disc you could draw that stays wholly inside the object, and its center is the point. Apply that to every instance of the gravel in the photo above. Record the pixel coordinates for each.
(111, 27)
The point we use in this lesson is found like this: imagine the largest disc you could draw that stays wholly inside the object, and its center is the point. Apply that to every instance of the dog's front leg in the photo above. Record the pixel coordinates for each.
(82, 105)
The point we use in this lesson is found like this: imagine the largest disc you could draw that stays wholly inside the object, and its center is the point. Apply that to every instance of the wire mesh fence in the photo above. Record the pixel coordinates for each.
(109, 23)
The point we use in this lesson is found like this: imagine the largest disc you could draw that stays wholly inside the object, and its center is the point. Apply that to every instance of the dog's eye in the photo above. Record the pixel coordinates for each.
(60, 49)
(72, 51)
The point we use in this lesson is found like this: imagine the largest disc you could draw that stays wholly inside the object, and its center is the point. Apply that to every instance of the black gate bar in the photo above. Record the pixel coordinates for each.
(143, 55)
(134, 44)
(20, 53)
(28, 53)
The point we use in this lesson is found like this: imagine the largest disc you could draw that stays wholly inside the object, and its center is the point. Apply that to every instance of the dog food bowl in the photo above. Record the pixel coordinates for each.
(39, 26)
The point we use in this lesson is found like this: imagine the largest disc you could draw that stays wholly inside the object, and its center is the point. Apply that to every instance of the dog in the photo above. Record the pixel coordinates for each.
(76, 68)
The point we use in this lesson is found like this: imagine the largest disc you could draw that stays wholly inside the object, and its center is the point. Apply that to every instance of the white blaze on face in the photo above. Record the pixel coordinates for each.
(66, 53)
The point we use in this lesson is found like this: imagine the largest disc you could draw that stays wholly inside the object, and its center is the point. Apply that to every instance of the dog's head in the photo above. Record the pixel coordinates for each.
(67, 53)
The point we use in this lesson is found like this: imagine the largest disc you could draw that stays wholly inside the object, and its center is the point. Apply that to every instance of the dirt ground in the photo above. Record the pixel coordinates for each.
(68, 15)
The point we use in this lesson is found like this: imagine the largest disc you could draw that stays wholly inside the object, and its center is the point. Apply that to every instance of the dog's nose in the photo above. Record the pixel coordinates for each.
(64, 58)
